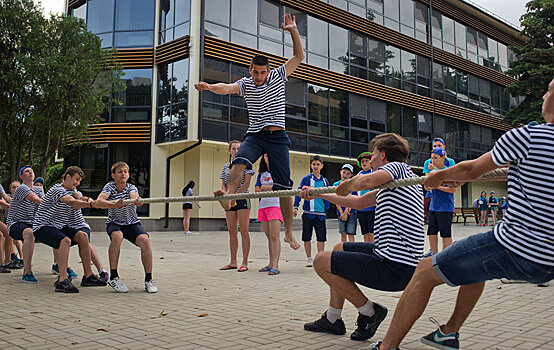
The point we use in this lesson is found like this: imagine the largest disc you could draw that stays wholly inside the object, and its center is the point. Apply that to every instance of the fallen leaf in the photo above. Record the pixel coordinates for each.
(499, 287)
(295, 319)
(36, 312)
(205, 288)
(101, 330)
(162, 314)
(201, 315)
(19, 327)
(161, 257)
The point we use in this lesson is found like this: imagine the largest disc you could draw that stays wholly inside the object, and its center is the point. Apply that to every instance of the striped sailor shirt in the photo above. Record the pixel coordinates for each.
(22, 209)
(52, 211)
(76, 219)
(121, 216)
(227, 170)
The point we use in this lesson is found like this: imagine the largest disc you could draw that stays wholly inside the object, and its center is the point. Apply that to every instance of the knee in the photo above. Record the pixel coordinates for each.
(28, 234)
(425, 274)
(65, 242)
(142, 241)
(322, 261)
(81, 237)
(117, 237)
(338, 247)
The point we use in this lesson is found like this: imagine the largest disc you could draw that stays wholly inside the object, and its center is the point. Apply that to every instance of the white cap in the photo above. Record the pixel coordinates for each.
(349, 167)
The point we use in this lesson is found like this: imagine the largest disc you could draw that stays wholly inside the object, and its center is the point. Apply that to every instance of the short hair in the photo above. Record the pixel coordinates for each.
(72, 171)
(393, 145)
(315, 158)
(259, 60)
(118, 165)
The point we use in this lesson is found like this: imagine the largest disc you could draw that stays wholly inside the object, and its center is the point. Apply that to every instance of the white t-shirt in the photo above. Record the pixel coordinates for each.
(266, 179)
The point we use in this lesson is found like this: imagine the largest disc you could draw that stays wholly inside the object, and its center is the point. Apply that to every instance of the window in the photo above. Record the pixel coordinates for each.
(98, 11)
(318, 36)
(171, 122)
(134, 14)
(338, 37)
(244, 15)
(270, 13)
(218, 11)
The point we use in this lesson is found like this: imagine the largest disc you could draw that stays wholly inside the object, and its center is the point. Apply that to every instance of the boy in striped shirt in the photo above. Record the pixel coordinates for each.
(123, 222)
(520, 247)
(389, 263)
(264, 93)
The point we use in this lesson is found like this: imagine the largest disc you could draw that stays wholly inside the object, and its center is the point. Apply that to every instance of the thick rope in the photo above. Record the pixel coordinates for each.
(498, 173)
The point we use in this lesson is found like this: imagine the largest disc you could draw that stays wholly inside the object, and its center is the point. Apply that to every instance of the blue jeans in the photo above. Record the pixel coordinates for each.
(481, 257)
(348, 226)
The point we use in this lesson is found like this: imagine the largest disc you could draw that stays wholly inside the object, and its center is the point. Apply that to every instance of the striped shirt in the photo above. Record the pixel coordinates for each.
(52, 211)
(227, 170)
(266, 103)
(399, 233)
(76, 219)
(1, 189)
(121, 216)
(22, 209)
(526, 228)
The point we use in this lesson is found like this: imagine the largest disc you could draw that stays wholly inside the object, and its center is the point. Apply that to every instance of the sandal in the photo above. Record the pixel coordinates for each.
(228, 267)
(265, 269)
(273, 272)
(242, 269)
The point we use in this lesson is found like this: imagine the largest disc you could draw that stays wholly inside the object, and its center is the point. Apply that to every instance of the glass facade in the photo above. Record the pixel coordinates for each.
(135, 100)
(174, 19)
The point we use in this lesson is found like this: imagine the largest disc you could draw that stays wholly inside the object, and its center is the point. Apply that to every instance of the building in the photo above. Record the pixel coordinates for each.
(420, 68)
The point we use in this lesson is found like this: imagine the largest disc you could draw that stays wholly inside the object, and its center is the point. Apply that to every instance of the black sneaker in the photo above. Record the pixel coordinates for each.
(4, 268)
(103, 276)
(439, 340)
(367, 325)
(65, 286)
(92, 281)
(323, 325)
(14, 265)
(377, 346)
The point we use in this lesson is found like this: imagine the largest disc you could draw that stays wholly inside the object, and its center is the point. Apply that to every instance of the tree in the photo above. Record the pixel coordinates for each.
(535, 67)
(55, 81)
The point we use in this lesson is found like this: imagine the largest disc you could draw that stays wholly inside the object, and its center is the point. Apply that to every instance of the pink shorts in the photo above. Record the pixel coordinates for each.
(270, 213)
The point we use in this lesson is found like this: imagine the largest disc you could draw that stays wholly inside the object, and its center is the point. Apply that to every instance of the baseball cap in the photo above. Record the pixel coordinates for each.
(440, 151)
(349, 167)
(533, 123)
(23, 169)
(439, 140)
(39, 179)
(493, 192)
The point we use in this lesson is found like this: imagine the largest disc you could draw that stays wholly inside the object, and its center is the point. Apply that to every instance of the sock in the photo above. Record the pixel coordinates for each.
(367, 309)
(113, 274)
(100, 271)
(333, 314)
(13, 256)
(148, 277)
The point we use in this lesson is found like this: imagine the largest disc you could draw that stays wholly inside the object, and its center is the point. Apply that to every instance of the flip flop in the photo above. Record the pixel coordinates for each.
(273, 272)
(265, 269)
(228, 267)
(242, 269)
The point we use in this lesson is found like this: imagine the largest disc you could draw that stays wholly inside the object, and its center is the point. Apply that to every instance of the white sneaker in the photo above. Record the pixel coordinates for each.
(118, 286)
(150, 287)
(192, 233)
(508, 281)
(309, 262)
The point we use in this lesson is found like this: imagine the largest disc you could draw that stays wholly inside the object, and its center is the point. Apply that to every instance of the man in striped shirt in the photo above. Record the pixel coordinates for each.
(520, 247)
(264, 93)
(389, 263)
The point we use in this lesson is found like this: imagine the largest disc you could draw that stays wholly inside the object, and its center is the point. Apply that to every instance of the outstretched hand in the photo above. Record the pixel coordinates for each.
(201, 86)
(290, 22)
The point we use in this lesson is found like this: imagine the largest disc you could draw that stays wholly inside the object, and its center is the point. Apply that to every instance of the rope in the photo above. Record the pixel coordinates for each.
(497, 173)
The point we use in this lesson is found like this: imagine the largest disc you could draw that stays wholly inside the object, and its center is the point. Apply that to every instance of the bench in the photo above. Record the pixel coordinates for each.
(470, 213)
(457, 214)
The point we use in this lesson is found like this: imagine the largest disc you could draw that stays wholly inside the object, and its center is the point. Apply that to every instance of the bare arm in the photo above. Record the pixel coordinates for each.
(223, 186)
(462, 172)
(4, 204)
(297, 51)
(6, 197)
(218, 88)
(33, 198)
(75, 203)
(102, 202)
(351, 201)
(136, 197)
(363, 182)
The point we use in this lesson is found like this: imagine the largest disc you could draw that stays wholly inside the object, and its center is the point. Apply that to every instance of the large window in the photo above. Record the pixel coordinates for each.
(174, 19)
(172, 111)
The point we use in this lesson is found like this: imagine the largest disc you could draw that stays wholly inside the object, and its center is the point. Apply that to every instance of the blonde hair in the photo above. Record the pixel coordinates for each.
(118, 165)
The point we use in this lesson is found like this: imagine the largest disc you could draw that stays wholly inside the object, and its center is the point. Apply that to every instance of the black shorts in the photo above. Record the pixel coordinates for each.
(318, 225)
(360, 264)
(187, 206)
(440, 221)
(367, 221)
(52, 237)
(130, 232)
(66, 230)
(240, 204)
(16, 230)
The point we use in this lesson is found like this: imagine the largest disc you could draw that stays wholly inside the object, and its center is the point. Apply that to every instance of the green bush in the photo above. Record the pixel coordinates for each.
(53, 176)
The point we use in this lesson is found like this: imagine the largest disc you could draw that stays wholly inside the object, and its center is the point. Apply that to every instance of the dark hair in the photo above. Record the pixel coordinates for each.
(259, 60)
(315, 158)
(482, 193)
(263, 165)
(72, 171)
(394, 146)
(231, 143)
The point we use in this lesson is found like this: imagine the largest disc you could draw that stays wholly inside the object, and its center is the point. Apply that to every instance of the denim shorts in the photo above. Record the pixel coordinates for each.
(349, 226)
(481, 257)
(276, 145)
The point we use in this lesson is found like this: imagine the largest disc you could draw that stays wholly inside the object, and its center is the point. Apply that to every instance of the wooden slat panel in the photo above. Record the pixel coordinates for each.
(173, 50)
(235, 53)
(117, 132)
(349, 20)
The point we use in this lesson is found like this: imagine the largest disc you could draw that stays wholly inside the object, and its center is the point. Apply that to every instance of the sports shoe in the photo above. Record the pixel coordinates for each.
(29, 277)
(192, 233)
(118, 286)
(429, 254)
(439, 340)
(14, 265)
(4, 268)
(103, 276)
(367, 325)
(377, 346)
(150, 287)
(543, 284)
(65, 286)
(509, 281)
(309, 262)
(92, 281)
(55, 269)
(71, 274)
(323, 325)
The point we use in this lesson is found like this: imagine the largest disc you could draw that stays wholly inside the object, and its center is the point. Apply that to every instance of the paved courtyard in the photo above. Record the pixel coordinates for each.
(200, 307)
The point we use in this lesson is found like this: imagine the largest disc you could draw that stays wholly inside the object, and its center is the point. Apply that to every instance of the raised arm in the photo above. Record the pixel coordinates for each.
(218, 88)
(297, 51)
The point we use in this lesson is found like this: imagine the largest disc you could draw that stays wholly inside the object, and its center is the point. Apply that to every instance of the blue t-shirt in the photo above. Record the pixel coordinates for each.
(316, 207)
(447, 164)
(354, 193)
(482, 201)
(361, 193)
(505, 205)
(441, 201)
(493, 200)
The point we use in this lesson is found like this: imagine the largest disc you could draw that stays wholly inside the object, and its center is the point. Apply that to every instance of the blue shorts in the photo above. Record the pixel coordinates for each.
(276, 145)
(66, 230)
(360, 264)
(315, 222)
(348, 226)
(130, 232)
(367, 221)
(440, 221)
(16, 230)
(481, 257)
(52, 237)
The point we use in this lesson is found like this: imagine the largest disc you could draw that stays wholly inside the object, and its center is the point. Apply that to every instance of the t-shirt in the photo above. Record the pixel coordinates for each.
(493, 201)
(266, 103)
(188, 194)
(1, 189)
(526, 229)
(76, 219)
(265, 179)
(352, 211)
(447, 164)
(399, 233)
(227, 170)
(483, 203)
(121, 216)
(441, 201)
(361, 193)
(316, 207)
(505, 205)
(22, 209)
(51, 211)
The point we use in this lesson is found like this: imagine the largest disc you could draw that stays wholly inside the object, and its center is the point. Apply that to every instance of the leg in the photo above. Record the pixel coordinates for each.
(232, 222)
(308, 249)
(265, 226)
(114, 249)
(446, 242)
(28, 248)
(63, 256)
(244, 221)
(95, 258)
(143, 242)
(186, 219)
(368, 237)
(468, 296)
(287, 209)
(434, 243)
(275, 247)
(351, 238)
(84, 251)
(235, 178)
(493, 214)
(320, 247)
(5, 245)
(343, 237)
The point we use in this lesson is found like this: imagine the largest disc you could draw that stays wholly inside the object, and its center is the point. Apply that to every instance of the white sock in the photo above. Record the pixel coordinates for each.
(100, 271)
(333, 314)
(367, 309)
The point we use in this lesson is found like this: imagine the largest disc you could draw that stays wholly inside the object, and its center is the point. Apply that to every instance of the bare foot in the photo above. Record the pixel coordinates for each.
(226, 204)
(292, 242)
